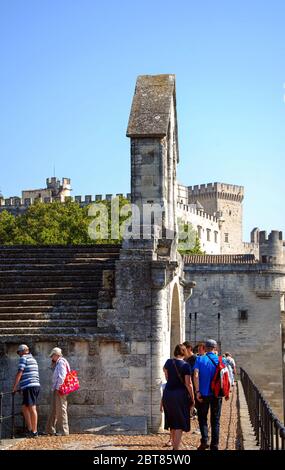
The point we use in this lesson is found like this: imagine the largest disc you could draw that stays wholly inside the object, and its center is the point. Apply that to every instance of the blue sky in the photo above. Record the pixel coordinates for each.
(68, 71)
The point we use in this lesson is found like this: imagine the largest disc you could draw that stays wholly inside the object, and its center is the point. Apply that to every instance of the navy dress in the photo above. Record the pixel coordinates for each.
(176, 401)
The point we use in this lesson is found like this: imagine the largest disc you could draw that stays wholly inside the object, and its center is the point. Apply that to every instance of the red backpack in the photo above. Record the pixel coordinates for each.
(220, 384)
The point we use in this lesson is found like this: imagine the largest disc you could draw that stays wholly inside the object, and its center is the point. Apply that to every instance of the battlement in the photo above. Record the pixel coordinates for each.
(271, 248)
(220, 190)
(54, 182)
(193, 209)
(274, 237)
(20, 203)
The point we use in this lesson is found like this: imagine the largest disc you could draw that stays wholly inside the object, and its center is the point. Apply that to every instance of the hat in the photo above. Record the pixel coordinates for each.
(211, 343)
(22, 347)
(56, 351)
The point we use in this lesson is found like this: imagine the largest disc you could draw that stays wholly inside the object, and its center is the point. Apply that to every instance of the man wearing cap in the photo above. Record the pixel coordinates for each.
(28, 379)
(205, 367)
(58, 412)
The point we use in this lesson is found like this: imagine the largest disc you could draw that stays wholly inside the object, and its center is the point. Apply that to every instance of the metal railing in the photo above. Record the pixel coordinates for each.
(269, 431)
(10, 416)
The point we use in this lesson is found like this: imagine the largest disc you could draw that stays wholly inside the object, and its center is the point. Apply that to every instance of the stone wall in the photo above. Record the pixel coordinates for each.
(240, 306)
(225, 202)
(112, 383)
(206, 226)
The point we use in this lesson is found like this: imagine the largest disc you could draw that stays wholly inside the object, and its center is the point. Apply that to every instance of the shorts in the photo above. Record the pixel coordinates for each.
(30, 395)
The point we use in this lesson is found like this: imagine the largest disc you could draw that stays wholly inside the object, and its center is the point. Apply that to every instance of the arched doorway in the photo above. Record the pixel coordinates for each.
(175, 320)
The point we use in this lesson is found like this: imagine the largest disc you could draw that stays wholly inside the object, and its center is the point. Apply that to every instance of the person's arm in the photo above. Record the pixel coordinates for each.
(188, 383)
(61, 374)
(196, 384)
(17, 380)
(165, 373)
(21, 368)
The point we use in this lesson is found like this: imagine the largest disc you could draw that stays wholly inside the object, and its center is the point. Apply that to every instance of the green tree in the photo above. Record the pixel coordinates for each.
(188, 240)
(8, 228)
(55, 223)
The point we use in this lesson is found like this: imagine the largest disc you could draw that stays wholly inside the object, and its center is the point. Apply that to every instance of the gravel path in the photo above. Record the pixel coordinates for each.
(191, 440)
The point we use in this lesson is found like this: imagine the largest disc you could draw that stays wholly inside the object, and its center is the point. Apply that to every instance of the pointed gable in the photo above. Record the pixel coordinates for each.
(151, 106)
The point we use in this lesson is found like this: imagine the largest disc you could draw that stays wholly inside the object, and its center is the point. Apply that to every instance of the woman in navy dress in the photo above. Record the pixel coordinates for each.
(178, 395)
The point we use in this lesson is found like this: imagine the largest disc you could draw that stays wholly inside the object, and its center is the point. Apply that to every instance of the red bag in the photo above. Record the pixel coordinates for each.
(71, 382)
(220, 384)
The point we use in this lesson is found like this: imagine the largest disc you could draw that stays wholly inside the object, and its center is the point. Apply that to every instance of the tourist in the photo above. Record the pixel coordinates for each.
(204, 372)
(28, 380)
(201, 348)
(231, 373)
(58, 412)
(190, 356)
(230, 360)
(178, 395)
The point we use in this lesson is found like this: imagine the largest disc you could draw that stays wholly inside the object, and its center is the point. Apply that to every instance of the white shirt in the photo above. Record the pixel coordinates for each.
(59, 373)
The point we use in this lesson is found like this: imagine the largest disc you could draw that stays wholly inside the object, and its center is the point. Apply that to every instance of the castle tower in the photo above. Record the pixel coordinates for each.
(154, 145)
(271, 249)
(225, 202)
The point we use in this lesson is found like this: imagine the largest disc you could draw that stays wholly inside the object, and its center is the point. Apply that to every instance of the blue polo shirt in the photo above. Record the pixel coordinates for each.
(206, 372)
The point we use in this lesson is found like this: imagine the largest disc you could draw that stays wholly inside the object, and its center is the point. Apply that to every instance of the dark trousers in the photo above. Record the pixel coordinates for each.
(215, 404)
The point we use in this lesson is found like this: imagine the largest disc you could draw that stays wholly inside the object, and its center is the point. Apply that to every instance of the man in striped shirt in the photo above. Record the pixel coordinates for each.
(28, 379)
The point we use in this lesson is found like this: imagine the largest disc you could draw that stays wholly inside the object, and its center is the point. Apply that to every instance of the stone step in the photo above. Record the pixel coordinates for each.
(49, 315)
(56, 257)
(46, 273)
(55, 323)
(52, 296)
(35, 309)
(46, 330)
(52, 284)
(28, 251)
(57, 267)
(47, 302)
(55, 290)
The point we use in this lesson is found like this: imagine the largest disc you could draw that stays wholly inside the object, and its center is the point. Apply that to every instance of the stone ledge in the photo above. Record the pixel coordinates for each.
(247, 432)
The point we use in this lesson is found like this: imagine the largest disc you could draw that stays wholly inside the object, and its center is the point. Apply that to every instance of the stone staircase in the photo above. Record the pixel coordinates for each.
(52, 290)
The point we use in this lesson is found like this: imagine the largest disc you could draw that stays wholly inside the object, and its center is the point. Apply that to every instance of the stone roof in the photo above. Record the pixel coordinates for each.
(151, 106)
(220, 259)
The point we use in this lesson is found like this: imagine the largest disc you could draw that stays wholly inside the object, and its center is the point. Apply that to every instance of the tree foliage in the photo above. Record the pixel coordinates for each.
(51, 224)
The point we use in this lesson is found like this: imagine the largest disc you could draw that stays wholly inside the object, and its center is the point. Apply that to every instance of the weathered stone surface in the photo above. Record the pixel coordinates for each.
(150, 111)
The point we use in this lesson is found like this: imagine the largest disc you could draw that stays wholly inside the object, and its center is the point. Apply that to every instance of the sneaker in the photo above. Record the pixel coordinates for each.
(203, 446)
(34, 435)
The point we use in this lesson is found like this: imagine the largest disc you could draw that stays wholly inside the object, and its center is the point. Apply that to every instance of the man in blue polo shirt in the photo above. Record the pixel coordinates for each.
(28, 379)
(205, 367)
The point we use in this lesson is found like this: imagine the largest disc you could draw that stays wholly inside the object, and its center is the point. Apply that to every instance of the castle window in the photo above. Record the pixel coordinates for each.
(226, 238)
(243, 315)
(216, 236)
(208, 235)
(230, 212)
(199, 228)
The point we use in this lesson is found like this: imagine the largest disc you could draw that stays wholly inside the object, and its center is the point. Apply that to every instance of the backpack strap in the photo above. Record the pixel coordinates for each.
(181, 379)
(213, 362)
(178, 373)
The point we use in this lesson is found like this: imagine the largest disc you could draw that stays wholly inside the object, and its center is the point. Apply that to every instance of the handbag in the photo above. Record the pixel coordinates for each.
(71, 382)
(181, 380)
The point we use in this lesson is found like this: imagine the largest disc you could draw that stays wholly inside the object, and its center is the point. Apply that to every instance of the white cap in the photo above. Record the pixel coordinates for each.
(56, 351)
(22, 347)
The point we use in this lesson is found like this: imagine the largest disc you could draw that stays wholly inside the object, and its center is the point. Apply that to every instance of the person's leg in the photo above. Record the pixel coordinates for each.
(172, 435)
(33, 417)
(216, 407)
(27, 416)
(202, 411)
(177, 438)
(51, 423)
(61, 413)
